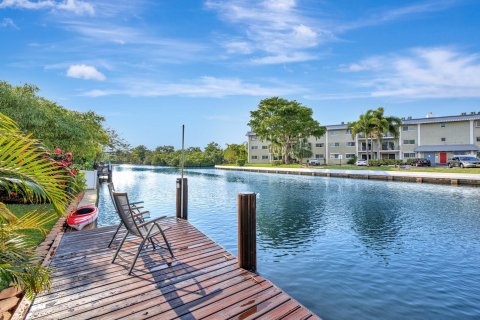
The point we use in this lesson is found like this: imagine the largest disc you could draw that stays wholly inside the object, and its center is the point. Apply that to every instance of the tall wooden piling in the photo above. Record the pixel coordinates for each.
(185, 198)
(247, 237)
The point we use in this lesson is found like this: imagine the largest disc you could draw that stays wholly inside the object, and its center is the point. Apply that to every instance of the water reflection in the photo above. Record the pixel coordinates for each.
(344, 248)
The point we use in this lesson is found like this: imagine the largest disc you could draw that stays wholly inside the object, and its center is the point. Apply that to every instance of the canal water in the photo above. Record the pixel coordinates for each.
(344, 248)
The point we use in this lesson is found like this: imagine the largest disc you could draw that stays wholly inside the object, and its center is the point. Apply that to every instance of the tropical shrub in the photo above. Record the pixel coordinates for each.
(276, 163)
(26, 172)
(352, 161)
(241, 162)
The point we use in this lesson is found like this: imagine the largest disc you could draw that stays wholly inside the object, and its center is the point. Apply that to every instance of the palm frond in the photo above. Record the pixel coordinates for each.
(24, 169)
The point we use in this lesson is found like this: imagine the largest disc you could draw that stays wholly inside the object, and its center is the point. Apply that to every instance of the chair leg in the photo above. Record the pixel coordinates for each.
(153, 243)
(140, 247)
(165, 239)
(120, 247)
(115, 235)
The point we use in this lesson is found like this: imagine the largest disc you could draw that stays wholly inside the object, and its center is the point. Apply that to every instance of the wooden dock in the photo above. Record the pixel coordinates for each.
(202, 281)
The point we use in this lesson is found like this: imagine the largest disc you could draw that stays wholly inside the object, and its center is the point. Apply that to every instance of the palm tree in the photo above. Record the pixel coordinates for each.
(364, 126)
(384, 125)
(27, 171)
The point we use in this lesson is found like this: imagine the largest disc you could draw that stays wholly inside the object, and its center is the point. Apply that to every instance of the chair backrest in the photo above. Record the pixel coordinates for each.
(111, 190)
(126, 214)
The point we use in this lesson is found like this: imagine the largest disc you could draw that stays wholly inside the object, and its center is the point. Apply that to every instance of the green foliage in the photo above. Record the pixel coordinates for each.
(284, 123)
(241, 162)
(168, 156)
(277, 163)
(79, 132)
(387, 162)
(25, 170)
(235, 152)
(301, 150)
(352, 161)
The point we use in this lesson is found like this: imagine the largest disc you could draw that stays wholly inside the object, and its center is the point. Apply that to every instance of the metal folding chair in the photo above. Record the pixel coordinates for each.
(146, 230)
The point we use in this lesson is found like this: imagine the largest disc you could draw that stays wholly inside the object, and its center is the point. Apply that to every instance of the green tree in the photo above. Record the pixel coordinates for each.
(235, 152)
(139, 154)
(364, 127)
(81, 133)
(384, 125)
(285, 123)
(25, 170)
(214, 152)
(301, 150)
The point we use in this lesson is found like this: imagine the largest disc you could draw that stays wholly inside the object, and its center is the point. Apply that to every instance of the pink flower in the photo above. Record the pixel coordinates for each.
(58, 151)
(74, 171)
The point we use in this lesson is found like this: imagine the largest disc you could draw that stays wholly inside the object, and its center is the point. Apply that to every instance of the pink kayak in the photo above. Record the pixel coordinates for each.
(82, 216)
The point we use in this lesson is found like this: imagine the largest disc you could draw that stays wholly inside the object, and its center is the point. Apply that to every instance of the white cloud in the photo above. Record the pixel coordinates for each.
(270, 28)
(422, 73)
(8, 23)
(75, 6)
(280, 28)
(82, 71)
(202, 87)
(284, 58)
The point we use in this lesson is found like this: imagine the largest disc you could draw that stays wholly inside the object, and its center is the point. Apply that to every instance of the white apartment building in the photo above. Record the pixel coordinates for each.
(434, 138)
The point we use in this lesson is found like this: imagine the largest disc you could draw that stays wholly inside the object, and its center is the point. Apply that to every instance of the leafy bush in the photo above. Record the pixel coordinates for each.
(386, 162)
(276, 163)
(241, 162)
(352, 161)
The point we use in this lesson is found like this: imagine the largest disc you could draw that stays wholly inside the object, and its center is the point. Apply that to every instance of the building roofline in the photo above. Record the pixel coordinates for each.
(407, 121)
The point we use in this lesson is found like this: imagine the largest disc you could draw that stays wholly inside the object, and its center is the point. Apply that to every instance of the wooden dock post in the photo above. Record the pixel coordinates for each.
(247, 236)
(185, 198)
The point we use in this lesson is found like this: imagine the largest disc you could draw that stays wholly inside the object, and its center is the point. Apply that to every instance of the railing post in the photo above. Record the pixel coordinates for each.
(185, 198)
(247, 236)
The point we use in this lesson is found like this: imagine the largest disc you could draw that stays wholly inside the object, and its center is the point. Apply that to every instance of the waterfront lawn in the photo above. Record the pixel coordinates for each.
(34, 236)
(351, 167)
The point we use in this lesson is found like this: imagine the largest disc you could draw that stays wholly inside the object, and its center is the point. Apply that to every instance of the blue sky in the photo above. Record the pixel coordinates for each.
(150, 66)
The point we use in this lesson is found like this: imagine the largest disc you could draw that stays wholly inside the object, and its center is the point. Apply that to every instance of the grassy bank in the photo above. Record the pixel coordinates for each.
(350, 167)
(35, 237)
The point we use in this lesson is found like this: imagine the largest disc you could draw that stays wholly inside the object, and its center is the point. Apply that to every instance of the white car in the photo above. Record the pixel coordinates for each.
(314, 162)
(361, 162)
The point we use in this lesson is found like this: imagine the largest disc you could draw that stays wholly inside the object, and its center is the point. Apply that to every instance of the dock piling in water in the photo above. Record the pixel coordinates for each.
(184, 214)
(247, 236)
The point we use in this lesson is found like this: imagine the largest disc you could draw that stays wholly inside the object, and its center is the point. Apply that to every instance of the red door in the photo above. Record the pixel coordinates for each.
(443, 157)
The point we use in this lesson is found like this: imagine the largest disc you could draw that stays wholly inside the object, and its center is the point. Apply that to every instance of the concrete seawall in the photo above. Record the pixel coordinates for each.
(454, 179)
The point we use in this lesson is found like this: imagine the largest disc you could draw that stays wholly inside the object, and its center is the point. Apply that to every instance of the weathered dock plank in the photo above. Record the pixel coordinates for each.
(202, 281)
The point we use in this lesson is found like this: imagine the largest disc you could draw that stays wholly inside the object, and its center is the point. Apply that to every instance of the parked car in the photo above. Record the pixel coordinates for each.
(464, 161)
(314, 162)
(421, 162)
(361, 162)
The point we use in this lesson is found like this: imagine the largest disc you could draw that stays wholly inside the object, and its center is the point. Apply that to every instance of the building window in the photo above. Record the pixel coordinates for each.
(407, 155)
(477, 123)
(388, 145)
(319, 156)
(254, 157)
(264, 157)
(442, 125)
(333, 133)
(350, 144)
(349, 155)
(319, 145)
(408, 141)
(348, 131)
(254, 147)
(444, 139)
(478, 139)
(335, 144)
(406, 128)
(334, 155)
(264, 147)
